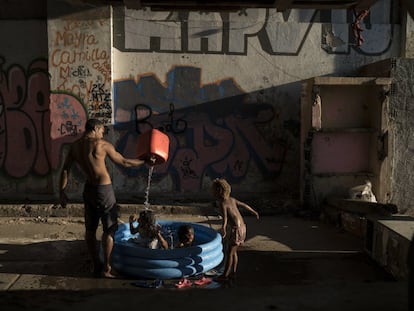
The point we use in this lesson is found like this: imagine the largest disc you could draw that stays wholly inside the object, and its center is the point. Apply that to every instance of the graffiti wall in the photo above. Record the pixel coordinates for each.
(80, 61)
(25, 162)
(80, 67)
(225, 87)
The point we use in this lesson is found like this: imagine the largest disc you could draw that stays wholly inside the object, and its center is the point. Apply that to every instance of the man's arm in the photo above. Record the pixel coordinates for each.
(118, 158)
(64, 175)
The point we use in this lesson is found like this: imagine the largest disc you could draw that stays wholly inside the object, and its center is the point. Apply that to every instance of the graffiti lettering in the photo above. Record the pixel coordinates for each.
(175, 126)
(68, 117)
(63, 57)
(81, 72)
(24, 120)
(104, 68)
(75, 40)
(82, 63)
(73, 24)
(221, 138)
(278, 33)
(142, 114)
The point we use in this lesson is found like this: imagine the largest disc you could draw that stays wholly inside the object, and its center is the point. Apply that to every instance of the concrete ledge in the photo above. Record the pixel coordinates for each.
(77, 210)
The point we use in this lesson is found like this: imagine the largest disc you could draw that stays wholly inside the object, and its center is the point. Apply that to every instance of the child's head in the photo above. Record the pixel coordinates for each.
(221, 188)
(146, 218)
(186, 234)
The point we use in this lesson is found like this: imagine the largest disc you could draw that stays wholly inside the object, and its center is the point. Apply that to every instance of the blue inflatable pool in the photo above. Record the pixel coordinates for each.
(133, 260)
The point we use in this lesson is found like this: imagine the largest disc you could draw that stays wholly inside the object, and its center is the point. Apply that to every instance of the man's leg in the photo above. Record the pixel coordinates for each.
(90, 237)
(108, 245)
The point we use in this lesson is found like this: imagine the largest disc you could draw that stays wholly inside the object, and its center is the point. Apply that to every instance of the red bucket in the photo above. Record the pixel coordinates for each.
(153, 142)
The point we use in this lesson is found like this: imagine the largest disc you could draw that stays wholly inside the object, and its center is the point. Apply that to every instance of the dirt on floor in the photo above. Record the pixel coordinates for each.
(286, 263)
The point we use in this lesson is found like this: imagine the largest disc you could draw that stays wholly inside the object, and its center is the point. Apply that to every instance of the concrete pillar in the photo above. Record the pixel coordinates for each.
(79, 50)
(407, 40)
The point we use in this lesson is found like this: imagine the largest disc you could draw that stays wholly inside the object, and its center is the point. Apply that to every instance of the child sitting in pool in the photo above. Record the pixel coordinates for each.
(149, 232)
(185, 239)
(185, 234)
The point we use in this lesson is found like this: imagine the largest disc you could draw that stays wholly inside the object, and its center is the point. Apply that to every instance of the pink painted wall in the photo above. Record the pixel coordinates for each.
(341, 152)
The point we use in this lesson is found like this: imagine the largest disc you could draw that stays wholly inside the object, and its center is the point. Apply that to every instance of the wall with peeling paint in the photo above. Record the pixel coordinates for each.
(224, 86)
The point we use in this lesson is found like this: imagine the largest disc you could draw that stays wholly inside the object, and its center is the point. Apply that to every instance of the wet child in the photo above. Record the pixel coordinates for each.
(149, 232)
(233, 227)
(185, 239)
(185, 234)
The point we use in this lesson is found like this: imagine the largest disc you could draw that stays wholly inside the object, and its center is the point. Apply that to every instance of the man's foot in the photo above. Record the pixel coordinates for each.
(108, 275)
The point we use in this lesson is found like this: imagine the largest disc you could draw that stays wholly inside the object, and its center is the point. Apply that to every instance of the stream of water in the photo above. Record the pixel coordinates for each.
(150, 171)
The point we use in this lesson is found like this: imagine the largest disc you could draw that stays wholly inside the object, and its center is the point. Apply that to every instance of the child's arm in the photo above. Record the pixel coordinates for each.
(247, 207)
(223, 210)
(163, 242)
(133, 229)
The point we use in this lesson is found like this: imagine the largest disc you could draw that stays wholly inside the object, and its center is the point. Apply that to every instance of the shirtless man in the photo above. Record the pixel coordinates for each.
(89, 152)
(233, 219)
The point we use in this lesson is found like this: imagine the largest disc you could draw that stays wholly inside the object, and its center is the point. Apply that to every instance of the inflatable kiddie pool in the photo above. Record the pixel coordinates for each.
(136, 261)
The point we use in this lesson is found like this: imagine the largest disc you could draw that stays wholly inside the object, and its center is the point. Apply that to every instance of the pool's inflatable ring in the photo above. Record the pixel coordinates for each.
(135, 261)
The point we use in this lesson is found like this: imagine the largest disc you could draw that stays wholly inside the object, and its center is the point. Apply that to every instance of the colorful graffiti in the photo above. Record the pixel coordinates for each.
(209, 135)
(68, 117)
(25, 142)
(79, 60)
(34, 124)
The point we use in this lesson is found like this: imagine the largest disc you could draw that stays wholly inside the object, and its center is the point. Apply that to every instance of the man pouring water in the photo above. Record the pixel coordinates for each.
(90, 152)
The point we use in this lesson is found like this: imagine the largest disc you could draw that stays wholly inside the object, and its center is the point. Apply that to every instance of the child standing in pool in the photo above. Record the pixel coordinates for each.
(233, 227)
(149, 232)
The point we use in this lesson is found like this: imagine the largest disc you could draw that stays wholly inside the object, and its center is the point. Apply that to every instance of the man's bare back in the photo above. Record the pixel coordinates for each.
(90, 154)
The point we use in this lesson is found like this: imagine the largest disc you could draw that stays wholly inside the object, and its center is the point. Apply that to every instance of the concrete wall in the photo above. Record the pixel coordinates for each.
(80, 69)
(224, 86)
(25, 163)
(234, 82)
(402, 117)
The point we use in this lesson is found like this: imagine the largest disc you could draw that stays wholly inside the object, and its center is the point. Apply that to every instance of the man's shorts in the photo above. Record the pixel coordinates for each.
(100, 204)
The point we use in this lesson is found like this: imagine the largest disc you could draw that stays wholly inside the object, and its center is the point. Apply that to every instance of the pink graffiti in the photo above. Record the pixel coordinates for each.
(25, 120)
(68, 117)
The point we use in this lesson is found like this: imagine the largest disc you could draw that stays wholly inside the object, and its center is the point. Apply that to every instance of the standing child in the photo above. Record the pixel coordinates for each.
(232, 219)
